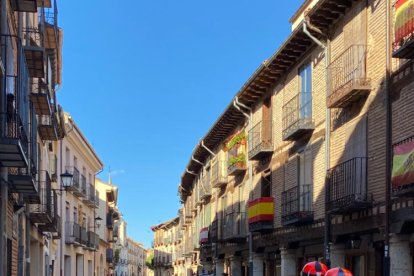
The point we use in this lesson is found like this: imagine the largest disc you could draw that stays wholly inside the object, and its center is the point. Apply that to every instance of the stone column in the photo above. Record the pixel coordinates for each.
(401, 260)
(288, 259)
(235, 266)
(219, 267)
(337, 255)
(258, 264)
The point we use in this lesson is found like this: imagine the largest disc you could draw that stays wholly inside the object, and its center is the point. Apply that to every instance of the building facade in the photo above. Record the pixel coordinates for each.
(121, 249)
(136, 258)
(298, 167)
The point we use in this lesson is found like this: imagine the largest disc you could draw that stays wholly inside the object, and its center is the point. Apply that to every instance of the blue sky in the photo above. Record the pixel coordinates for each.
(145, 80)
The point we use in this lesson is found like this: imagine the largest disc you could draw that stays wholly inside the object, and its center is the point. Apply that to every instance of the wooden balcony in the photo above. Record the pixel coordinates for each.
(219, 174)
(260, 140)
(297, 116)
(34, 52)
(261, 214)
(40, 97)
(347, 187)
(47, 126)
(24, 5)
(348, 77)
(297, 205)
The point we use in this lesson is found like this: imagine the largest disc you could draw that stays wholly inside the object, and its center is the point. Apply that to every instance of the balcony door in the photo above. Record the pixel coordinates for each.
(305, 180)
(305, 92)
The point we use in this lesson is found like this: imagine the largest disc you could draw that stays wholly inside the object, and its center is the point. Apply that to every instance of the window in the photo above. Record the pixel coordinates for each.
(266, 186)
(305, 92)
(67, 157)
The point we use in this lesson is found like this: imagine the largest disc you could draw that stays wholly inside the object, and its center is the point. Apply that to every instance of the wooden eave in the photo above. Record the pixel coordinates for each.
(323, 15)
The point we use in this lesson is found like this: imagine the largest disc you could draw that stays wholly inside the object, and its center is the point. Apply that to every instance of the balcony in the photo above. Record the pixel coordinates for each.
(53, 162)
(219, 174)
(260, 213)
(83, 236)
(42, 211)
(235, 227)
(205, 189)
(109, 220)
(76, 187)
(47, 125)
(236, 154)
(204, 236)
(297, 116)
(44, 3)
(40, 97)
(297, 206)
(54, 227)
(348, 77)
(260, 140)
(214, 231)
(403, 30)
(14, 142)
(72, 233)
(93, 240)
(24, 5)
(90, 195)
(347, 187)
(34, 52)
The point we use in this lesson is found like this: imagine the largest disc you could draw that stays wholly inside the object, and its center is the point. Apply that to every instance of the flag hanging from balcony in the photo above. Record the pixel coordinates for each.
(404, 19)
(403, 164)
(260, 213)
(204, 235)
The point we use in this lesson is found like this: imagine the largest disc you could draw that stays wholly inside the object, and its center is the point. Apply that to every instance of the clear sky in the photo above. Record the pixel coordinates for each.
(145, 80)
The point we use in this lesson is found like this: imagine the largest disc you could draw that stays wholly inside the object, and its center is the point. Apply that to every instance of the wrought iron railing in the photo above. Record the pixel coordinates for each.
(260, 138)
(72, 232)
(235, 225)
(297, 204)
(218, 173)
(347, 186)
(347, 73)
(76, 180)
(84, 186)
(236, 161)
(83, 236)
(297, 114)
(43, 211)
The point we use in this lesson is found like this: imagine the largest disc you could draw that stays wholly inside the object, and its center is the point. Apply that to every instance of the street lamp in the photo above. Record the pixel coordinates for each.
(98, 221)
(67, 179)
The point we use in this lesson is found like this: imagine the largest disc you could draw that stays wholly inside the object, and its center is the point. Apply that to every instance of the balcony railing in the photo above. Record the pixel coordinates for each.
(42, 212)
(260, 140)
(40, 97)
(84, 187)
(297, 205)
(72, 233)
(297, 116)
(14, 143)
(90, 195)
(34, 51)
(218, 174)
(205, 188)
(348, 77)
(93, 240)
(76, 187)
(347, 187)
(83, 236)
(236, 161)
(214, 231)
(235, 227)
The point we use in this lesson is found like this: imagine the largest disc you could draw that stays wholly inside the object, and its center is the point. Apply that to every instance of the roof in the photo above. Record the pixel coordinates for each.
(165, 225)
(322, 16)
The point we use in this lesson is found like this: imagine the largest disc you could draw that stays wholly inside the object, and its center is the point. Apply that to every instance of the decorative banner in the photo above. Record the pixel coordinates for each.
(403, 164)
(204, 235)
(404, 19)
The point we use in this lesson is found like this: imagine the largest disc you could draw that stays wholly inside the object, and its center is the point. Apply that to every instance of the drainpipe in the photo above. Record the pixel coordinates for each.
(388, 142)
(3, 171)
(237, 104)
(326, 47)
